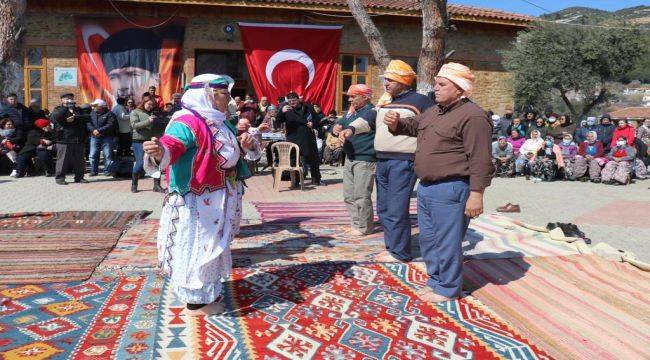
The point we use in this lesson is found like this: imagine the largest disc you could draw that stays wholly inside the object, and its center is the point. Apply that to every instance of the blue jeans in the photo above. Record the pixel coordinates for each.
(106, 145)
(395, 181)
(443, 224)
(138, 154)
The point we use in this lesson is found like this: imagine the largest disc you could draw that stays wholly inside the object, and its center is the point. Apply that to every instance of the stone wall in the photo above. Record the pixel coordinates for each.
(477, 44)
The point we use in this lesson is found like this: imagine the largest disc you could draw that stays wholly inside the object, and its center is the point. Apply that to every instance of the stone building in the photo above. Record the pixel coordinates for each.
(477, 36)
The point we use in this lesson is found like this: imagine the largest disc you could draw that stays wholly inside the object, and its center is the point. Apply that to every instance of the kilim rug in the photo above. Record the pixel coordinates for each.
(57, 247)
(332, 310)
(576, 307)
(311, 212)
(495, 236)
(284, 244)
(136, 249)
(107, 317)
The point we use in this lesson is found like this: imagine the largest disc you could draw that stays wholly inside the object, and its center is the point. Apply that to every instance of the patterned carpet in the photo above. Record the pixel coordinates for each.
(284, 244)
(63, 246)
(332, 310)
(136, 249)
(98, 319)
(577, 307)
(310, 212)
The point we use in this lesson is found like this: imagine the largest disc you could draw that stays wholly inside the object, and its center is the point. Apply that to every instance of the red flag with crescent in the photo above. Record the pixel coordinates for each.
(286, 57)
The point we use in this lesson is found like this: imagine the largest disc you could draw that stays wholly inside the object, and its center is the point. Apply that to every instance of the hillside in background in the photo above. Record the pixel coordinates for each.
(635, 16)
(638, 17)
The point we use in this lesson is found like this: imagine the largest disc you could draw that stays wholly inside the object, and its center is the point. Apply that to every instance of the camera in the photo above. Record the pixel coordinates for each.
(70, 103)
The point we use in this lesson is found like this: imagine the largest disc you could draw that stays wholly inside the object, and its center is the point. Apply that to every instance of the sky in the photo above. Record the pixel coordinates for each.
(527, 7)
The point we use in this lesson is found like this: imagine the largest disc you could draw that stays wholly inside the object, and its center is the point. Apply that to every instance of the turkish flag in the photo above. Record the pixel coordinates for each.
(285, 57)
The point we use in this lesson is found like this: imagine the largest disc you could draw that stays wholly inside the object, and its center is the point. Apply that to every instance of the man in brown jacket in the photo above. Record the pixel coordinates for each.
(453, 163)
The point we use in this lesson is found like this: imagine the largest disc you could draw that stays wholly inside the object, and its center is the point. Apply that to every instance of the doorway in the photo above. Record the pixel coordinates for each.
(226, 62)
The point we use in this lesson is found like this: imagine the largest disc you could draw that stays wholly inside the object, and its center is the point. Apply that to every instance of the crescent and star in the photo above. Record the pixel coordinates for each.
(290, 55)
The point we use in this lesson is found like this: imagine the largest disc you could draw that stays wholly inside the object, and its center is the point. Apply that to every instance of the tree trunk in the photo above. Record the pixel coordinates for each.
(434, 33)
(371, 33)
(12, 29)
(597, 100)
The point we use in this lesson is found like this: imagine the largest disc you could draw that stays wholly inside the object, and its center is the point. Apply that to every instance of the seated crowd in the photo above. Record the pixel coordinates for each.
(553, 148)
(544, 148)
(34, 141)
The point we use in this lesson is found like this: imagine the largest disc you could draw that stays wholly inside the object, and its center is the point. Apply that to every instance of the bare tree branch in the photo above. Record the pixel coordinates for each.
(371, 33)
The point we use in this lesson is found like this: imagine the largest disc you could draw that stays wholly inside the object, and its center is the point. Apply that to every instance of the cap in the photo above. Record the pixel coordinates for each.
(98, 102)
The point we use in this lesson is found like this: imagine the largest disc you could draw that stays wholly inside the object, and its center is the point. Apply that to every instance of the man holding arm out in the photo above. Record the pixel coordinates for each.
(453, 163)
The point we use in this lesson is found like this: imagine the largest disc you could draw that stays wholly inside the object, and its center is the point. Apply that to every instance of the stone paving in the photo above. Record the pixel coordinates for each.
(617, 215)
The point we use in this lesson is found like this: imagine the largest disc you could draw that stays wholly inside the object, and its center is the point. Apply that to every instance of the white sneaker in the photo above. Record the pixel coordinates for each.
(14, 174)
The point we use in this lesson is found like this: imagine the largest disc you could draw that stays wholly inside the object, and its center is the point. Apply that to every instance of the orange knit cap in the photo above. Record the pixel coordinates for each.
(359, 89)
(400, 71)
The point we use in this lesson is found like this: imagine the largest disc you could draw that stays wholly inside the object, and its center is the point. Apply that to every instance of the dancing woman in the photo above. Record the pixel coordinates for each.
(201, 213)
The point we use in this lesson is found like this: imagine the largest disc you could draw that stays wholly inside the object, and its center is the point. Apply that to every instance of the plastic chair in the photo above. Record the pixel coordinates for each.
(283, 160)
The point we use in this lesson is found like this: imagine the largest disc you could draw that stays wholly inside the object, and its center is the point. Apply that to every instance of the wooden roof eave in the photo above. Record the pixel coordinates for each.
(329, 8)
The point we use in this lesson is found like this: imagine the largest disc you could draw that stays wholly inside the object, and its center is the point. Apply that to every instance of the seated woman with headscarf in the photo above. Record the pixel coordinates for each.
(503, 158)
(619, 167)
(569, 151)
(201, 214)
(590, 156)
(516, 140)
(528, 153)
(539, 125)
(548, 161)
(517, 125)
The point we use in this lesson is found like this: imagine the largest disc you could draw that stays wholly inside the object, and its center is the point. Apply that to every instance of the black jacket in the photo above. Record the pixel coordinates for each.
(21, 115)
(298, 133)
(34, 138)
(105, 123)
(70, 132)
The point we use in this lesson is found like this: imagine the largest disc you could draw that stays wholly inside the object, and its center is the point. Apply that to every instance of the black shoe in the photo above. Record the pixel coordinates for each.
(61, 182)
(156, 186)
(92, 174)
(194, 306)
(596, 181)
(134, 183)
(82, 181)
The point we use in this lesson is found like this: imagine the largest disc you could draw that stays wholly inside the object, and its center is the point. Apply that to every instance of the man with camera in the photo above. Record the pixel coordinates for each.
(300, 121)
(71, 134)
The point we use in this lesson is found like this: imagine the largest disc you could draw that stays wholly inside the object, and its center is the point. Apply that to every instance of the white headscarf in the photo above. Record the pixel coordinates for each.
(201, 99)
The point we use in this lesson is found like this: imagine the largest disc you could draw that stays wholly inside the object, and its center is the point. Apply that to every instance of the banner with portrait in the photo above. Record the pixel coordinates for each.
(119, 59)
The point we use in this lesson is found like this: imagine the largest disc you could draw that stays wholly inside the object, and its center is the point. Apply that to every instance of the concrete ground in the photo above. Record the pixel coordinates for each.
(618, 215)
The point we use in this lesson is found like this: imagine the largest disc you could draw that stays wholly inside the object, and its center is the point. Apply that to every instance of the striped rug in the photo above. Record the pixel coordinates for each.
(311, 212)
(55, 247)
(496, 236)
(575, 307)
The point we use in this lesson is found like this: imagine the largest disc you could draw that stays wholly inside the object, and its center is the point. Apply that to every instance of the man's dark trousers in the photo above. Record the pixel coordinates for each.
(395, 181)
(443, 224)
(70, 155)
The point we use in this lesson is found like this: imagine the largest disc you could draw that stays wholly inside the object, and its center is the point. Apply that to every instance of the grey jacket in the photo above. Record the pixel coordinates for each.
(497, 152)
(142, 126)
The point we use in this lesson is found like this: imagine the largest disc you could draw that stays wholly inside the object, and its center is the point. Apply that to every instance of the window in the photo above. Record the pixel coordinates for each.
(35, 76)
(232, 63)
(354, 70)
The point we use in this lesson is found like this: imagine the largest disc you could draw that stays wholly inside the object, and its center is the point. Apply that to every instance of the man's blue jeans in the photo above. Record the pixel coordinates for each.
(395, 181)
(443, 224)
(106, 145)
